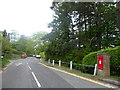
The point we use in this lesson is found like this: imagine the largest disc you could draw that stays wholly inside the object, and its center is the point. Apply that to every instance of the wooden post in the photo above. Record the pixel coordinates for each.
(53, 62)
(95, 70)
(59, 63)
(70, 65)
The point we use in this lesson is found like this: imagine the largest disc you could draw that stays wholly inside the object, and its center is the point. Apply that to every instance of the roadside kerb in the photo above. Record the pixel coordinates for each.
(84, 78)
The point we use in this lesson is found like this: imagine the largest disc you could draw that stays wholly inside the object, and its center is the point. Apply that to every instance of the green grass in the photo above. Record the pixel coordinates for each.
(3, 63)
(117, 78)
(85, 74)
(15, 58)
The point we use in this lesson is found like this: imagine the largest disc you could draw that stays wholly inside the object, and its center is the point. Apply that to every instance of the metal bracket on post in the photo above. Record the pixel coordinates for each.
(53, 62)
(59, 63)
(70, 65)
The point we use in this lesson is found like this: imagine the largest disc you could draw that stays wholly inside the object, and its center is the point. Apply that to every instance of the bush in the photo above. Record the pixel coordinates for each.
(14, 51)
(91, 59)
(76, 56)
(4, 63)
(7, 56)
(42, 54)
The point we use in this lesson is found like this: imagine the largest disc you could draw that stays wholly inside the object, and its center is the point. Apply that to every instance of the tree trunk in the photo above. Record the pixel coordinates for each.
(98, 23)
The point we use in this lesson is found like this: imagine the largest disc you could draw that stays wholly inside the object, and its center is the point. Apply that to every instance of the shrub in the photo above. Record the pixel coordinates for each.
(76, 56)
(42, 54)
(7, 56)
(91, 59)
(14, 51)
(4, 63)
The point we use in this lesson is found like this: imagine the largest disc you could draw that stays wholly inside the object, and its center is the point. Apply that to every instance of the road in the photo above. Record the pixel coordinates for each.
(28, 73)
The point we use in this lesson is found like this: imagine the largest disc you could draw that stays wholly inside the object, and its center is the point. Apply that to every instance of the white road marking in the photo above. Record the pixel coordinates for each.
(17, 64)
(36, 80)
(27, 63)
(29, 67)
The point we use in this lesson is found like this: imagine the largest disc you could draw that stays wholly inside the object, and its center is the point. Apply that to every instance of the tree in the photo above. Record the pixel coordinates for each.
(14, 36)
(6, 49)
(85, 26)
(39, 44)
(4, 33)
(29, 47)
(21, 43)
(118, 14)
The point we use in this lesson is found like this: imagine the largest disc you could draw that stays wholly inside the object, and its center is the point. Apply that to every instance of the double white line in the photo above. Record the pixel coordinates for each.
(36, 80)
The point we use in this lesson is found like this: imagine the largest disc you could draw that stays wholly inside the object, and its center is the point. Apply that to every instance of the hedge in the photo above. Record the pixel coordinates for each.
(91, 59)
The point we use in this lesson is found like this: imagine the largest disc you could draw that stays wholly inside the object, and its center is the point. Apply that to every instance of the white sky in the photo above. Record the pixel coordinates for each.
(25, 16)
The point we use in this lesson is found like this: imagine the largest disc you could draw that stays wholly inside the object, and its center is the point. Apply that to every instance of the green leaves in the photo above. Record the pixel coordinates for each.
(91, 59)
(80, 28)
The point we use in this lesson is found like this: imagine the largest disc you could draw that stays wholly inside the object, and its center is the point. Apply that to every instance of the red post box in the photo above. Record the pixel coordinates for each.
(100, 62)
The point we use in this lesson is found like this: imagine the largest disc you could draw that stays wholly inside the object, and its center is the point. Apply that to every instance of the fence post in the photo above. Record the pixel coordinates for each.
(53, 62)
(70, 65)
(59, 63)
(95, 69)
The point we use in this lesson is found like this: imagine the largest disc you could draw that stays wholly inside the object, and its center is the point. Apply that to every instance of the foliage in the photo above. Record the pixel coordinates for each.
(91, 59)
(6, 49)
(14, 47)
(6, 45)
(79, 28)
(42, 54)
(4, 63)
(39, 45)
(75, 55)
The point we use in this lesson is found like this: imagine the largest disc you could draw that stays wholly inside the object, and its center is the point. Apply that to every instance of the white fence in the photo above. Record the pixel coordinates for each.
(71, 65)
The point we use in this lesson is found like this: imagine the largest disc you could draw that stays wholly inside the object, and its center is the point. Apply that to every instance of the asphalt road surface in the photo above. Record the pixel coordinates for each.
(28, 73)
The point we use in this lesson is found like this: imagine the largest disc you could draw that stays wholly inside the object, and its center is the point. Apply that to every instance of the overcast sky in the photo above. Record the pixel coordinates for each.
(25, 16)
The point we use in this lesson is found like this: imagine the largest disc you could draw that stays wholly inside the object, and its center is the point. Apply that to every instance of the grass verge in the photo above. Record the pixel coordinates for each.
(117, 78)
(75, 72)
(15, 58)
(3, 63)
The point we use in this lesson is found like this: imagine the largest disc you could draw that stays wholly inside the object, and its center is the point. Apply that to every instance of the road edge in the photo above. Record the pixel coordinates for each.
(78, 76)
(3, 69)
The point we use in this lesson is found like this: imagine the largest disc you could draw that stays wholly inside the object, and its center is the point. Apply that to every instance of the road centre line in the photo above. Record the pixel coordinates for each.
(84, 78)
(38, 84)
(29, 67)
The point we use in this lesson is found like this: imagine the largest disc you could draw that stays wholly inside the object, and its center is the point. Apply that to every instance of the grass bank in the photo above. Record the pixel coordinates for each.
(17, 58)
(3, 63)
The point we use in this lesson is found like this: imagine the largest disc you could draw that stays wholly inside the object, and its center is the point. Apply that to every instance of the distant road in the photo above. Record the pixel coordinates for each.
(28, 73)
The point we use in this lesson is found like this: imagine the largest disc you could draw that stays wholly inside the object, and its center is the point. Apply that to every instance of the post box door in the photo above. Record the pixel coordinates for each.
(100, 62)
